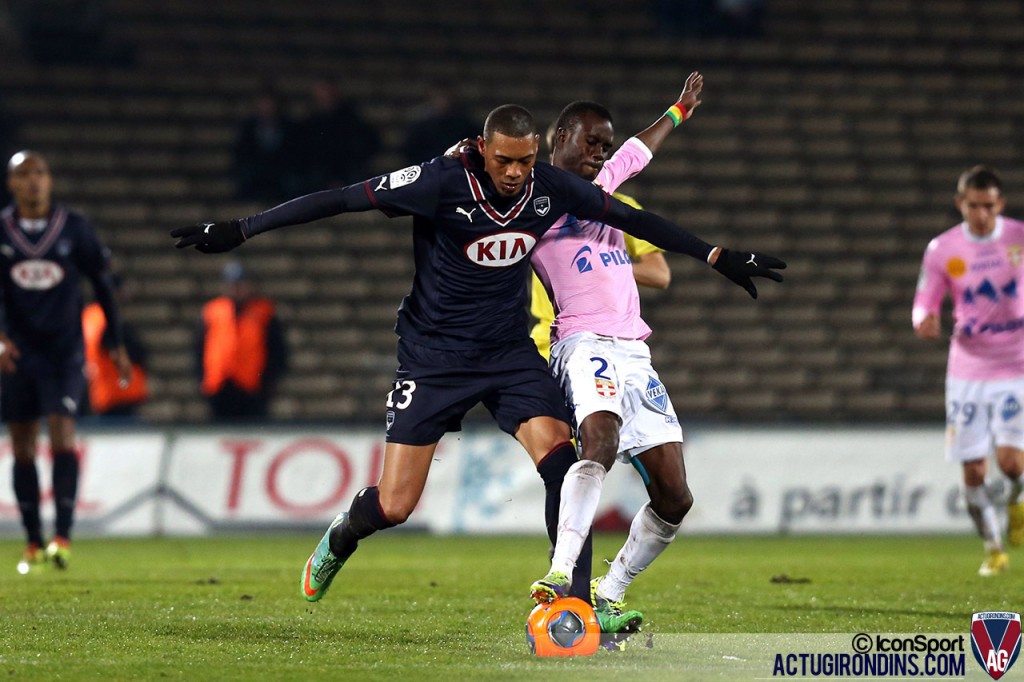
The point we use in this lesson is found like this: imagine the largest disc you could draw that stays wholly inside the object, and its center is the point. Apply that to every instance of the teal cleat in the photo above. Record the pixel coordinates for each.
(617, 623)
(322, 565)
(554, 585)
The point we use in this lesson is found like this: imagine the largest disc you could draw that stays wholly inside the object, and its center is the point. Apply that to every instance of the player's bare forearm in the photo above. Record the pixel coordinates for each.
(124, 366)
(929, 329)
(651, 270)
(689, 98)
(9, 354)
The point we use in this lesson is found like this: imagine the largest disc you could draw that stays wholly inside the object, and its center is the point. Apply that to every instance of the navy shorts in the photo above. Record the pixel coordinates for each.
(434, 389)
(42, 386)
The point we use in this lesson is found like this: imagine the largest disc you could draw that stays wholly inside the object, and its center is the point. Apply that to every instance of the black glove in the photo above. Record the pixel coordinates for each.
(209, 237)
(740, 266)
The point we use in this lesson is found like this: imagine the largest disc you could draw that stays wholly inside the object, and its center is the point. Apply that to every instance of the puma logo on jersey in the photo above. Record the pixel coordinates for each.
(468, 214)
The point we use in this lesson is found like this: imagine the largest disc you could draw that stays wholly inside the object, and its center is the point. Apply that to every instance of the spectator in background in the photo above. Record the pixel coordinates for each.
(978, 264)
(711, 18)
(435, 123)
(67, 32)
(107, 394)
(264, 151)
(336, 144)
(741, 18)
(240, 349)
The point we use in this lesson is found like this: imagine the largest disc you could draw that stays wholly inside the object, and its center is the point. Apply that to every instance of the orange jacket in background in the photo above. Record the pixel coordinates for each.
(105, 391)
(235, 349)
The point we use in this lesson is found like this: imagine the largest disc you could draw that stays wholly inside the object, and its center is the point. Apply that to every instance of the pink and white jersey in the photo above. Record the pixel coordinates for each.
(981, 276)
(585, 267)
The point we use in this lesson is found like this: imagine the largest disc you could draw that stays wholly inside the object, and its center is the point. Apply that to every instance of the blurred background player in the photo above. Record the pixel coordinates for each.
(108, 395)
(240, 349)
(603, 364)
(45, 249)
(978, 264)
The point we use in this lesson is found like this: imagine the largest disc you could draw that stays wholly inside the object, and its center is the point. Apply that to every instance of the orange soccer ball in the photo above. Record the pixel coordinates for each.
(564, 627)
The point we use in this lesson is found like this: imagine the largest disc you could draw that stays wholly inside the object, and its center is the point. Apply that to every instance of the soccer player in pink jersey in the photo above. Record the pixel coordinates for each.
(978, 264)
(603, 364)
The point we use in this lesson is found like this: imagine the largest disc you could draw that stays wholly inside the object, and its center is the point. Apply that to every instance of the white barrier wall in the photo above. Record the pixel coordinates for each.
(138, 482)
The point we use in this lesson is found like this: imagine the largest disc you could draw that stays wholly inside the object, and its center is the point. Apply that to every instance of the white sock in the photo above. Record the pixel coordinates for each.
(649, 535)
(581, 491)
(984, 515)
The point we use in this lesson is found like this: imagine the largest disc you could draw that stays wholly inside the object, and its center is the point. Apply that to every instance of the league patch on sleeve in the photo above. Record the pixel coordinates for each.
(406, 176)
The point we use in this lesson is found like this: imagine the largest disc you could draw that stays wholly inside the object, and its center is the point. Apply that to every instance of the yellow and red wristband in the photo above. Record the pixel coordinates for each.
(676, 112)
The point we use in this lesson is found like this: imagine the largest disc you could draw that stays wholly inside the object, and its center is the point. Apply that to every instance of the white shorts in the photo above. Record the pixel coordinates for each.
(606, 374)
(980, 414)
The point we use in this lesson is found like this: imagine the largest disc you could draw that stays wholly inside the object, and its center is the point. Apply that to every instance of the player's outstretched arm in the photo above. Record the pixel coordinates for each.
(740, 266)
(689, 99)
(218, 237)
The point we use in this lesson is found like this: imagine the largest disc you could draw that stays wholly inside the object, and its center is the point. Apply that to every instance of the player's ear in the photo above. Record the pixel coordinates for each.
(481, 145)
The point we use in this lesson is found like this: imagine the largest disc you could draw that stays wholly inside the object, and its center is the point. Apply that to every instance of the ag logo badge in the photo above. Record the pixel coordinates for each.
(995, 641)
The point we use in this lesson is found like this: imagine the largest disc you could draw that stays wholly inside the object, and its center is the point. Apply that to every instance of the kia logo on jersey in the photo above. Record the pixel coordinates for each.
(37, 274)
(500, 250)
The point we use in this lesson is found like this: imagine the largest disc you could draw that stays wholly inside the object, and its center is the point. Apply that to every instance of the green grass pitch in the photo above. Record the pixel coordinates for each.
(419, 607)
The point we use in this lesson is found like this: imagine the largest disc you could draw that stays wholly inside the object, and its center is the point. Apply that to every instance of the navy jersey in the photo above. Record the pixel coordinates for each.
(40, 278)
(471, 245)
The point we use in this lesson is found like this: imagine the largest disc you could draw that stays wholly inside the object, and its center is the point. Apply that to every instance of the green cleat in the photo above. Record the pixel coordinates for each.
(554, 585)
(617, 624)
(322, 565)
(33, 560)
(59, 552)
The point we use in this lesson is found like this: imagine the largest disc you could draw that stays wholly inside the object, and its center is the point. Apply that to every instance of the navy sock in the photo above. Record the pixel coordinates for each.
(26, 491)
(65, 489)
(365, 517)
(552, 470)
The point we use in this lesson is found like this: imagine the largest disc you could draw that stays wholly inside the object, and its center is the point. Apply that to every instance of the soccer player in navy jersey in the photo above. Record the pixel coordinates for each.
(45, 250)
(463, 330)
